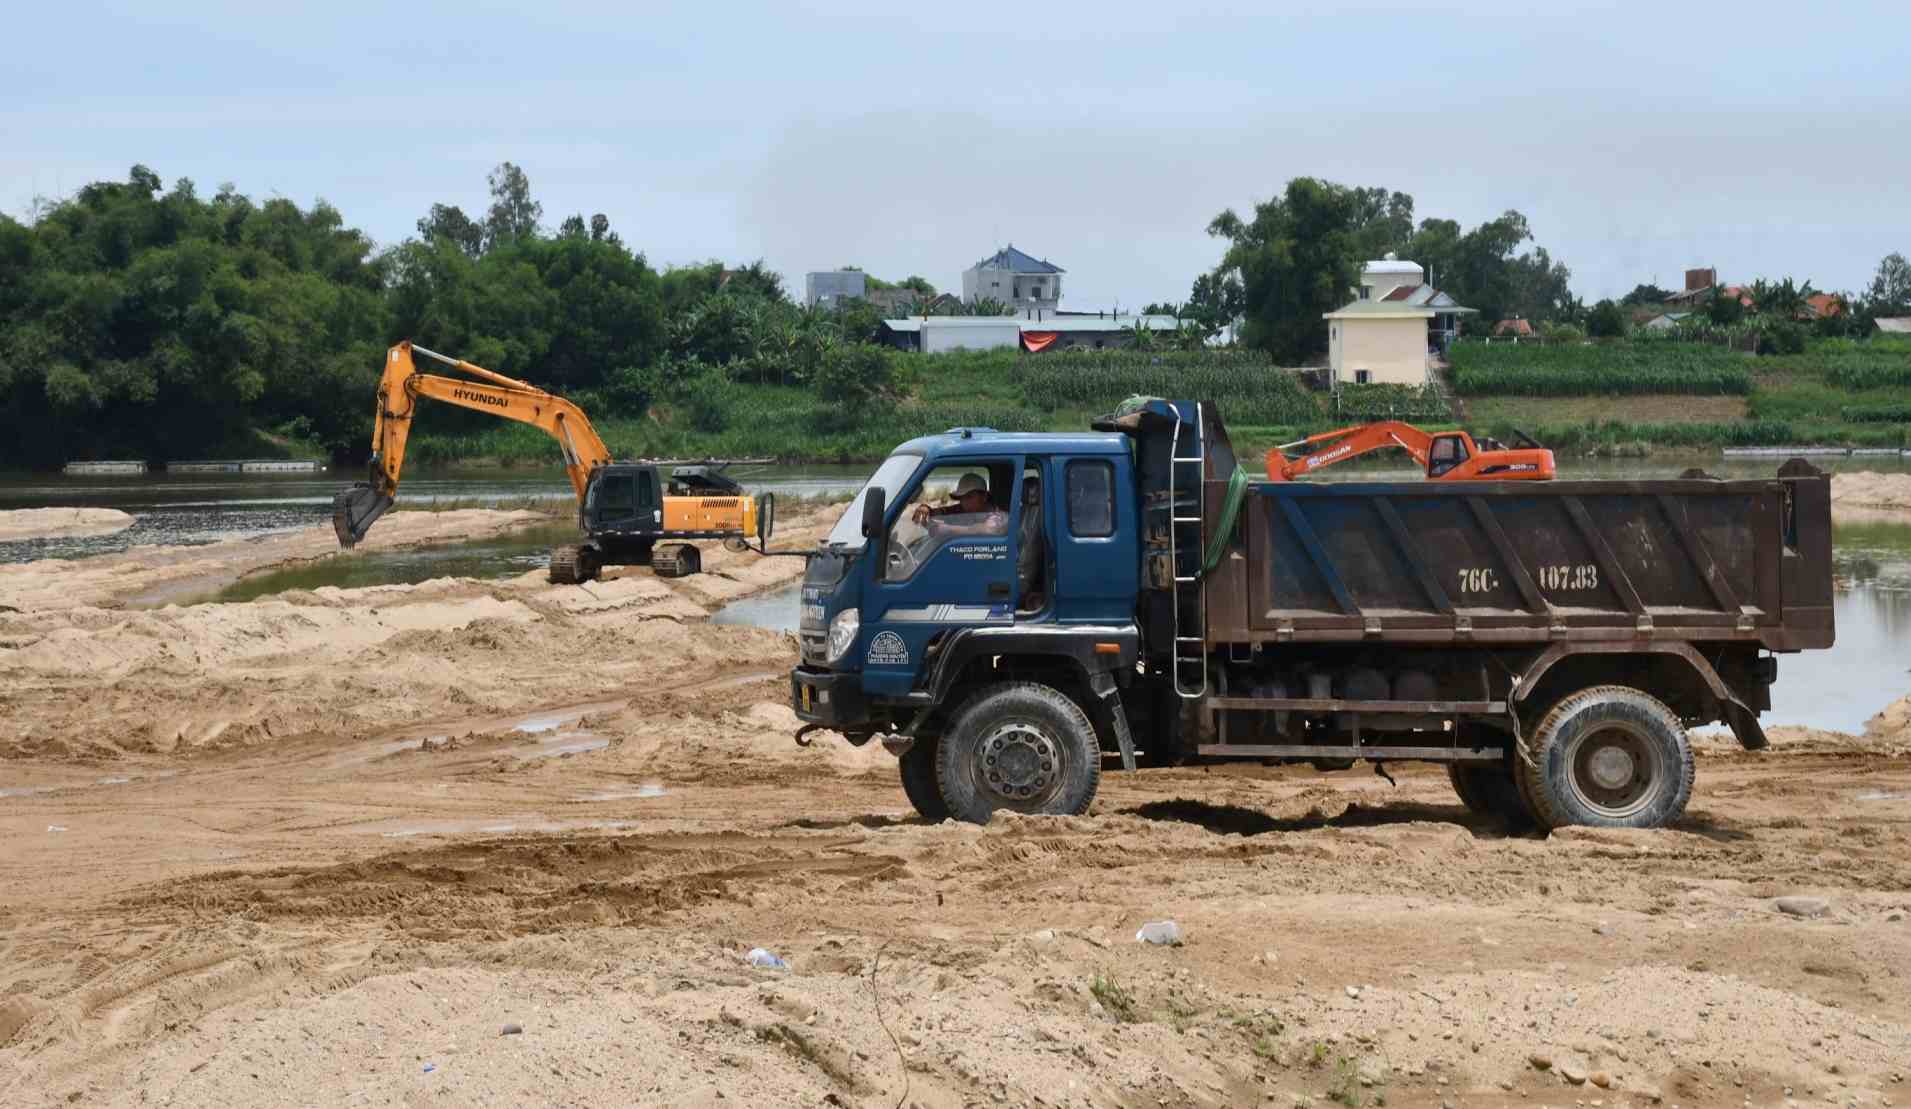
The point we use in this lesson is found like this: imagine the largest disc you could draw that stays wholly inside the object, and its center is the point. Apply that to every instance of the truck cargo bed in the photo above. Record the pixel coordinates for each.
(1691, 559)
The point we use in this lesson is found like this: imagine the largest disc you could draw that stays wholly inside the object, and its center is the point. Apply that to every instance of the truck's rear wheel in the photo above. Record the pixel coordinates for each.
(1611, 757)
(1490, 789)
(1021, 746)
(918, 766)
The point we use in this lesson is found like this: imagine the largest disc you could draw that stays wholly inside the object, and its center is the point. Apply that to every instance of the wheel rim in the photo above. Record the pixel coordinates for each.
(1018, 764)
(1613, 769)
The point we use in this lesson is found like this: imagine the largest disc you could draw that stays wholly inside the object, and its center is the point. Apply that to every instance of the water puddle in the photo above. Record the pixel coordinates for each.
(1881, 795)
(475, 827)
(648, 789)
(775, 610)
(567, 743)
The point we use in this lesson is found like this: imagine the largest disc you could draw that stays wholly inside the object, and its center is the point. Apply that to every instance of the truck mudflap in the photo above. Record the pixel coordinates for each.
(1738, 715)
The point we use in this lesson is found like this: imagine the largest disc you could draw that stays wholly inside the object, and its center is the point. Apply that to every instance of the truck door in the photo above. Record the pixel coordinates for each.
(1095, 539)
(950, 563)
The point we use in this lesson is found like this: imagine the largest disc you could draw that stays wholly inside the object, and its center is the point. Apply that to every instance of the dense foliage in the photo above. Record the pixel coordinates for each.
(1605, 369)
(144, 323)
(1300, 253)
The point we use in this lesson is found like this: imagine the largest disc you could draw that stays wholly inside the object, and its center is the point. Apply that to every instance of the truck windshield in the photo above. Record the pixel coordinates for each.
(889, 477)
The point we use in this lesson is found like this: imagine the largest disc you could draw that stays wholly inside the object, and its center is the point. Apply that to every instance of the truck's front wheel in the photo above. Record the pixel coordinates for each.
(1611, 757)
(1020, 746)
(918, 766)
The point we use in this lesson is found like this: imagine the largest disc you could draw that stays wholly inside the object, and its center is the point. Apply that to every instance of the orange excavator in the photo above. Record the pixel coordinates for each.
(1445, 455)
(632, 513)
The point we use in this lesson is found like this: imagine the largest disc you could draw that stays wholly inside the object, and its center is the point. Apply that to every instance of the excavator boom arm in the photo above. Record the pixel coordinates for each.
(356, 509)
(1344, 443)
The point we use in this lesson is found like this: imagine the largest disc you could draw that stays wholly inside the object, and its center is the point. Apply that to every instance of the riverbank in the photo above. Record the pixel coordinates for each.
(61, 523)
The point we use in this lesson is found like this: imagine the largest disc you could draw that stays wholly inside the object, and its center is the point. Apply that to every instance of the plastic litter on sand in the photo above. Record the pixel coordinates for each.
(758, 957)
(1160, 931)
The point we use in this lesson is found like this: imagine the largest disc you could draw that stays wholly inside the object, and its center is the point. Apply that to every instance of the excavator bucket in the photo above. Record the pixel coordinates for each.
(355, 510)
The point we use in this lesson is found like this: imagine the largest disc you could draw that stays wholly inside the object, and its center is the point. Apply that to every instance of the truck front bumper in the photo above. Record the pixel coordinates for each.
(829, 698)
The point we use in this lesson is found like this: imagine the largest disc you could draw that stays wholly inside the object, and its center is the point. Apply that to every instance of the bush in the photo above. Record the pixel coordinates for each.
(1606, 321)
(709, 397)
(1781, 337)
(1606, 369)
(1562, 332)
(849, 378)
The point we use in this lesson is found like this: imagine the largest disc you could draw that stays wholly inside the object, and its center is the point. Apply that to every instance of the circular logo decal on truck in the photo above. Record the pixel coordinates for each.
(887, 649)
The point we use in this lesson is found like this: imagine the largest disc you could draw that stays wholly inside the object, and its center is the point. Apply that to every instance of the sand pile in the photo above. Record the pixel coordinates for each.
(1871, 490)
(61, 523)
(1893, 725)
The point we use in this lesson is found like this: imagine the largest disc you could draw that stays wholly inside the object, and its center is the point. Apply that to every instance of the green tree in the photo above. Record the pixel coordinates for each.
(1890, 291)
(850, 380)
(1724, 309)
(1294, 260)
(513, 215)
(1644, 294)
(1606, 321)
(448, 221)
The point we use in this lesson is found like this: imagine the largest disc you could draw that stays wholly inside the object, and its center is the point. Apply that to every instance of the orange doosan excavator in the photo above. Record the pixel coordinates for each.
(1445, 455)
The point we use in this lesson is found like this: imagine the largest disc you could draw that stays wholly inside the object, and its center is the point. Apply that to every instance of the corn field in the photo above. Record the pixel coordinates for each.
(1606, 369)
(1249, 389)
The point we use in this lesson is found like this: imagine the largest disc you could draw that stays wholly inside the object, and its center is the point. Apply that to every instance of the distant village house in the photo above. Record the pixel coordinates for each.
(1393, 326)
(1024, 283)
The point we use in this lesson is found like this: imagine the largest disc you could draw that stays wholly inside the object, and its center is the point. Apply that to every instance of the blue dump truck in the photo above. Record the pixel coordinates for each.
(1008, 612)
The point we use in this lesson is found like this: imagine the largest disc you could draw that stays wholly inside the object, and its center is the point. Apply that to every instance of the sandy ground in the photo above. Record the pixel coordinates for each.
(54, 523)
(1869, 490)
(326, 848)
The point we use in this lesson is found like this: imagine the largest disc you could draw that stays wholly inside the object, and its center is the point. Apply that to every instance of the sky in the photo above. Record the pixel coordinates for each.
(1768, 140)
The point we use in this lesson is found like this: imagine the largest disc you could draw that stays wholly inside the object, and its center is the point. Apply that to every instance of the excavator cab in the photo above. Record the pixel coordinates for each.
(1447, 450)
(621, 499)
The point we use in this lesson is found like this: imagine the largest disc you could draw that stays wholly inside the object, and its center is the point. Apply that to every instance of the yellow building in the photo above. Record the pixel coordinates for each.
(1392, 329)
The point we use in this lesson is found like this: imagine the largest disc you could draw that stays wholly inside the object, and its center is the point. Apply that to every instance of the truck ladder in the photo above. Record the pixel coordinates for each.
(1185, 476)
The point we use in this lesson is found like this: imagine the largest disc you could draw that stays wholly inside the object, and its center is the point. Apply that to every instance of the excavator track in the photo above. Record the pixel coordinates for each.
(572, 564)
(676, 560)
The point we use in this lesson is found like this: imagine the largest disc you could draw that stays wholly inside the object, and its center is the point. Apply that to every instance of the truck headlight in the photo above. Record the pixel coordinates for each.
(842, 633)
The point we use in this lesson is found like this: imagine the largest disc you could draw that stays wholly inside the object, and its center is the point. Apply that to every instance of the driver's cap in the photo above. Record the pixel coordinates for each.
(971, 483)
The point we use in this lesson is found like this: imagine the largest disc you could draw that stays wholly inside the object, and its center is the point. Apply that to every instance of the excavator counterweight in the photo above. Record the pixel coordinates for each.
(631, 512)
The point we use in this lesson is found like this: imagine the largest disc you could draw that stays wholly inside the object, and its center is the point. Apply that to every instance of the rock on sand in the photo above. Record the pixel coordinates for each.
(61, 523)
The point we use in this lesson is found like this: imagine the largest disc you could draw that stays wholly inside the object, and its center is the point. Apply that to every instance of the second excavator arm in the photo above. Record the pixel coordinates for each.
(1340, 445)
(399, 389)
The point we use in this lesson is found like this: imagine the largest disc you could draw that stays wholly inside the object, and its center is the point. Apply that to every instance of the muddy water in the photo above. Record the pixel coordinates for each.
(206, 508)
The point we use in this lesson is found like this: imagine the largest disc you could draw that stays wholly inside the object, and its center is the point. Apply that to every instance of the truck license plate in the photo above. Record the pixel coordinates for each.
(808, 693)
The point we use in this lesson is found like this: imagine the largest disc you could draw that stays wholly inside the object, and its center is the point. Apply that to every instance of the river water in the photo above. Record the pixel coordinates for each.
(1836, 689)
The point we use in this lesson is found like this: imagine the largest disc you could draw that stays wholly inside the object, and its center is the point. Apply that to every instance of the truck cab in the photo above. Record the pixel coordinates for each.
(972, 558)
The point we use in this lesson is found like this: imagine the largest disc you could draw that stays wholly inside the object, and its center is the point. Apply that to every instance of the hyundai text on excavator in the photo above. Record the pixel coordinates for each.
(631, 514)
(1445, 455)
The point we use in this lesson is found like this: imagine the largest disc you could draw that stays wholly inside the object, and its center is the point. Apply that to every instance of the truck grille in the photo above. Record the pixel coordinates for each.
(814, 645)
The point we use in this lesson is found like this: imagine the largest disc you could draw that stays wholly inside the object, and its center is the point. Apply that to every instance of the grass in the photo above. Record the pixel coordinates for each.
(1598, 369)
(1114, 998)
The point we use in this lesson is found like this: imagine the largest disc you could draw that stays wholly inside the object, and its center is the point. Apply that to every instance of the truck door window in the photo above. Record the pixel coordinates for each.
(646, 489)
(1447, 453)
(1091, 499)
(959, 501)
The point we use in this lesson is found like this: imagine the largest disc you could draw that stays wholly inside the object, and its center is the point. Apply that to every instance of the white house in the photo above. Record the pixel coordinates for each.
(1016, 279)
(1391, 328)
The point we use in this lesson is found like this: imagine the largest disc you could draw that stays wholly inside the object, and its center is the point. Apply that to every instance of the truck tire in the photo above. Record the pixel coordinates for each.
(1610, 757)
(1491, 790)
(1021, 746)
(918, 766)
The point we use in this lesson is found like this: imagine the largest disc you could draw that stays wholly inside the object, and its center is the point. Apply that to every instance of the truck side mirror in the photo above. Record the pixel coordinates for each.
(876, 539)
